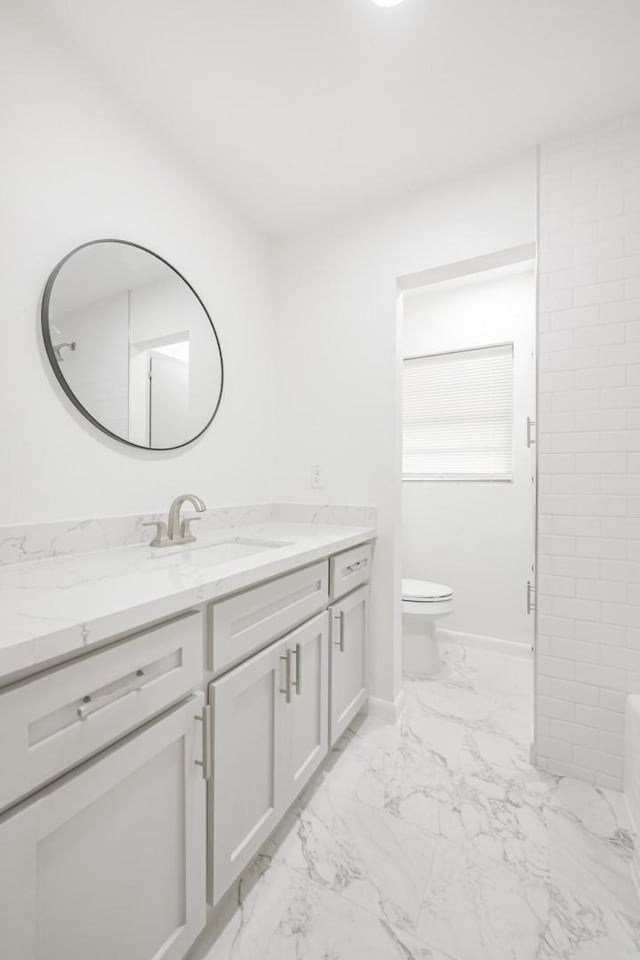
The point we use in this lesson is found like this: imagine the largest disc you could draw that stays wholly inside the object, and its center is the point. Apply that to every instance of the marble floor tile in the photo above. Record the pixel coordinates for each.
(392, 769)
(478, 909)
(248, 915)
(461, 699)
(364, 854)
(594, 868)
(603, 813)
(578, 929)
(320, 925)
(436, 839)
(499, 820)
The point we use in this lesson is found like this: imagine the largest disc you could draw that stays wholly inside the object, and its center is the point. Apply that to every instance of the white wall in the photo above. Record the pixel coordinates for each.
(169, 307)
(97, 370)
(589, 548)
(477, 537)
(74, 167)
(339, 377)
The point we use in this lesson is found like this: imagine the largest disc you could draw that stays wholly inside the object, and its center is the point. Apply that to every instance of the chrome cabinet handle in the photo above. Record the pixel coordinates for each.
(340, 641)
(287, 683)
(92, 704)
(207, 751)
(531, 597)
(298, 680)
(357, 565)
(531, 432)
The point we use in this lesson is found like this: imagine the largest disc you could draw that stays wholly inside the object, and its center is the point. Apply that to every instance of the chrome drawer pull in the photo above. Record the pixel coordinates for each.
(340, 641)
(91, 704)
(298, 680)
(207, 750)
(357, 565)
(287, 685)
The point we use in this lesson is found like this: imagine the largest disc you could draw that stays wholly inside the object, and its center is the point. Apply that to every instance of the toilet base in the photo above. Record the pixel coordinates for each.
(420, 647)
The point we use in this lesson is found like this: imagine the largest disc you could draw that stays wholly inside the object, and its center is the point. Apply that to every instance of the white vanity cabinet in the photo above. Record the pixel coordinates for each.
(348, 659)
(269, 735)
(140, 778)
(109, 861)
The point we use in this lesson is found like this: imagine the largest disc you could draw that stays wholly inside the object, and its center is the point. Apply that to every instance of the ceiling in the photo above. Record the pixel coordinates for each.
(307, 110)
(100, 271)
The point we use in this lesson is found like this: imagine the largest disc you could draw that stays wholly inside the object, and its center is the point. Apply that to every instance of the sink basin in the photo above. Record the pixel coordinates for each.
(224, 550)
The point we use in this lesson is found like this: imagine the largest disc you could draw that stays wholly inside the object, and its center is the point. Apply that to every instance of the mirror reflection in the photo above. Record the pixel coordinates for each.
(132, 344)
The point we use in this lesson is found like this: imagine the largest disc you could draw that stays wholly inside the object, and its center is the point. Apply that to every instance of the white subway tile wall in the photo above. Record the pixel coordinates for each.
(588, 640)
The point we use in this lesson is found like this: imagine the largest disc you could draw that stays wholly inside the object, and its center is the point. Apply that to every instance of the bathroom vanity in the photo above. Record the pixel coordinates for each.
(146, 758)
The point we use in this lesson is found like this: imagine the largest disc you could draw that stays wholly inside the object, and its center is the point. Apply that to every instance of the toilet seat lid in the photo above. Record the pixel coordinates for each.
(423, 591)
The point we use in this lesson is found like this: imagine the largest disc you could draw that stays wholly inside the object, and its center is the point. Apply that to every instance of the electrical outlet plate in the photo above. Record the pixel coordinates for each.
(316, 476)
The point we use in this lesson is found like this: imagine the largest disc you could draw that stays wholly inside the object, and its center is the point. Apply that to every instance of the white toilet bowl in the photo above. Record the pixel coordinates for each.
(423, 603)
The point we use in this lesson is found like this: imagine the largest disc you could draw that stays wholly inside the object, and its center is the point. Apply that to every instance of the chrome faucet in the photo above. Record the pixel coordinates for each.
(177, 531)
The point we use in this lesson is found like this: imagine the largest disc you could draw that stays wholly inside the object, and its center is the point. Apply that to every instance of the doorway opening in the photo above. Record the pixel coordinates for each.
(467, 335)
(159, 389)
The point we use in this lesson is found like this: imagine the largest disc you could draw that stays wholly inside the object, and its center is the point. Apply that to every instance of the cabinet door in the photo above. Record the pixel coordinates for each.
(348, 659)
(307, 710)
(245, 798)
(109, 862)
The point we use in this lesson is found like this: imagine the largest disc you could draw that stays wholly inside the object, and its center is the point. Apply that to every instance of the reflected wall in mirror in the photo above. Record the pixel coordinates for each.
(132, 344)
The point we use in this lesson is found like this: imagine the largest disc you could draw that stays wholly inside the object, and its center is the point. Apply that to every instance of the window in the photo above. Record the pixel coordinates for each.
(458, 415)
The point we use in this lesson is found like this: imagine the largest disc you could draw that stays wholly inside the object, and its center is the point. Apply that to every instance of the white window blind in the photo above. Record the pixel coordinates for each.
(458, 415)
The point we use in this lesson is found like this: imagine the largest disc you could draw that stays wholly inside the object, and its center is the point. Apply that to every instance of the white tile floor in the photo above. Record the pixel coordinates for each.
(435, 839)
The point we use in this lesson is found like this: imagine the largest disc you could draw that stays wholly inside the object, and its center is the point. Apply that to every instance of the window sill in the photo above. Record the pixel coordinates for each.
(452, 478)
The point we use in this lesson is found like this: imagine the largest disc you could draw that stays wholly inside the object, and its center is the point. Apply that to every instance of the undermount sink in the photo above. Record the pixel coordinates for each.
(222, 551)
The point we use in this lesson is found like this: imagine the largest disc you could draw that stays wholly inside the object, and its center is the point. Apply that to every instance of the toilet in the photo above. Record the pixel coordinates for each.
(423, 603)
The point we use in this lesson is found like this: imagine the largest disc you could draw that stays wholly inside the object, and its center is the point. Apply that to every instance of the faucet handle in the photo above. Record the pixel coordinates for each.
(161, 532)
(185, 528)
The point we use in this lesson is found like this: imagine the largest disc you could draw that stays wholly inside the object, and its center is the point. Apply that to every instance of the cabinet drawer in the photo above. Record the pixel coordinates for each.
(51, 723)
(350, 569)
(249, 621)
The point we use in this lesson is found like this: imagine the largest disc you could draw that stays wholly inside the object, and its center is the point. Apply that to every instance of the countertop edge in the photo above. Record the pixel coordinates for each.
(30, 656)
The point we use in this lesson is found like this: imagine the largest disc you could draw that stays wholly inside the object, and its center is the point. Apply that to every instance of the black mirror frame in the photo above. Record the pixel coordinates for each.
(46, 334)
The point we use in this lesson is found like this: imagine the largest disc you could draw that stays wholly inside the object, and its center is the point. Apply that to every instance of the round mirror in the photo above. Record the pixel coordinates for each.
(132, 344)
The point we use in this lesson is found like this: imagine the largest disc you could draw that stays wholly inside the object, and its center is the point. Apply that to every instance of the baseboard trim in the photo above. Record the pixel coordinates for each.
(485, 643)
(389, 710)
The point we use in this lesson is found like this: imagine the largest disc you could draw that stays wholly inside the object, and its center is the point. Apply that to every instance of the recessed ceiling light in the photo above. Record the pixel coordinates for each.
(387, 3)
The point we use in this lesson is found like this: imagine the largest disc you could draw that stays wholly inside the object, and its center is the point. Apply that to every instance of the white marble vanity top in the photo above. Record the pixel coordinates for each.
(54, 607)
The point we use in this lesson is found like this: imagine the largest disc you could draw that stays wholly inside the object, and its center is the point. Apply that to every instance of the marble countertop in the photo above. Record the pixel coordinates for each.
(56, 607)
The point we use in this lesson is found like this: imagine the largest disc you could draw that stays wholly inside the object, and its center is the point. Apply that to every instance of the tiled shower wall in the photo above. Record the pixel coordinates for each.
(588, 641)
